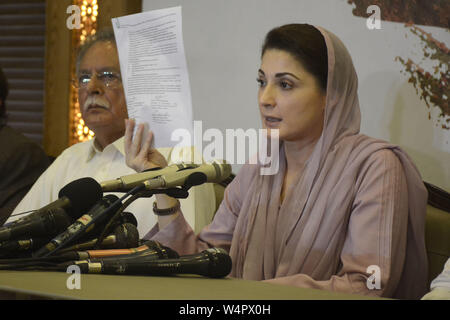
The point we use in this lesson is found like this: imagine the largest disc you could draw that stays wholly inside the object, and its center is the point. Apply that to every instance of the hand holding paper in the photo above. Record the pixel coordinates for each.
(139, 154)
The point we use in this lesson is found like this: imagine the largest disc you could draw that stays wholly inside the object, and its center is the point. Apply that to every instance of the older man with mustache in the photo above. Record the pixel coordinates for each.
(103, 108)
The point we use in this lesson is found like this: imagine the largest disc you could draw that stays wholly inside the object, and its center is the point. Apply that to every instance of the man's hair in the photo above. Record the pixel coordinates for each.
(4, 89)
(104, 35)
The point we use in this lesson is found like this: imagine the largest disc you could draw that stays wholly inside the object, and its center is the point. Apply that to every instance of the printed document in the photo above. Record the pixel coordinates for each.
(154, 72)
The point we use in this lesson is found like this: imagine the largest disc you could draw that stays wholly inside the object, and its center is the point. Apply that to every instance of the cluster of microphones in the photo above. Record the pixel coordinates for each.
(93, 231)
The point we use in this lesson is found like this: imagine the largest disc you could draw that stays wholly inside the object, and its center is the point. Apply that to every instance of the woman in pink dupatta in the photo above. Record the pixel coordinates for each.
(340, 203)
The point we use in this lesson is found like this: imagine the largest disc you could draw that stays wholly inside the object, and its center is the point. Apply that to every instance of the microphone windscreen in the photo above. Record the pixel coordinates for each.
(128, 217)
(220, 262)
(83, 194)
(127, 236)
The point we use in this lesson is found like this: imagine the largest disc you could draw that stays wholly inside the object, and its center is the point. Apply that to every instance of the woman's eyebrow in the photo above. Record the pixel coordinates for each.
(282, 74)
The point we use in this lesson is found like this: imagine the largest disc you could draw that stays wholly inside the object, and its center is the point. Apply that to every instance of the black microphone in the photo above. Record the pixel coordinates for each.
(97, 230)
(128, 217)
(18, 247)
(127, 236)
(213, 262)
(48, 225)
(83, 225)
(76, 198)
(124, 236)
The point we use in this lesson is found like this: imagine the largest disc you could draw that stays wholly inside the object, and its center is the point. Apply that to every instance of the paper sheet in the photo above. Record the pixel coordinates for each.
(154, 72)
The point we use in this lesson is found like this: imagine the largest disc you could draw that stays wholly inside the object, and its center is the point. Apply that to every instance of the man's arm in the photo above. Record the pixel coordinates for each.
(41, 193)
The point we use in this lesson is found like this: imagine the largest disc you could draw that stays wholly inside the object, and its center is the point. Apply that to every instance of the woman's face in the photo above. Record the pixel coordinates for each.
(289, 97)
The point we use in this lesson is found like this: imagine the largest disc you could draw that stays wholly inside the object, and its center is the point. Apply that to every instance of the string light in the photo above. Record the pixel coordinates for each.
(89, 11)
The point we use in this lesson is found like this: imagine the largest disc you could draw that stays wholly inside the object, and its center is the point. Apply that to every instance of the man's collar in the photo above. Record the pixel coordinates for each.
(119, 146)
(94, 148)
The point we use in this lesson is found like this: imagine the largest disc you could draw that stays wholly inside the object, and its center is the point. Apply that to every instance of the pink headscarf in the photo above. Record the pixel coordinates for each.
(306, 235)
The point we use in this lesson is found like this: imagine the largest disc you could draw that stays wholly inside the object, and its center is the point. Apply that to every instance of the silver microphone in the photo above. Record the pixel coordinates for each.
(172, 176)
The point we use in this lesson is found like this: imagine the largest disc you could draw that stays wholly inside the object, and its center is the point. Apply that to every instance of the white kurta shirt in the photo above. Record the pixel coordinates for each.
(86, 160)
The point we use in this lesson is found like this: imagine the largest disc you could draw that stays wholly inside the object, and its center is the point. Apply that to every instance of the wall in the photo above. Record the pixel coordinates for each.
(222, 41)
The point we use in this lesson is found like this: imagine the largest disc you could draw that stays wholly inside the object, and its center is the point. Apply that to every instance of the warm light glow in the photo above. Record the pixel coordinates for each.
(89, 12)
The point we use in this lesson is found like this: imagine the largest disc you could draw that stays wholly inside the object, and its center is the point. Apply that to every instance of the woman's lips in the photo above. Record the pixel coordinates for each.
(272, 122)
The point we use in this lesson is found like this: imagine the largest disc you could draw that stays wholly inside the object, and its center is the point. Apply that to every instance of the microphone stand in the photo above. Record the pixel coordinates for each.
(140, 192)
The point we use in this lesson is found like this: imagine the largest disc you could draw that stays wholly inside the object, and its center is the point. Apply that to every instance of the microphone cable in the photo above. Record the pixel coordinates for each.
(115, 217)
(22, 213)
(140, 192)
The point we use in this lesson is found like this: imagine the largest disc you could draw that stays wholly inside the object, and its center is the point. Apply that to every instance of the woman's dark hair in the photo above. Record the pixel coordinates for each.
(305, 43)
(3, 95)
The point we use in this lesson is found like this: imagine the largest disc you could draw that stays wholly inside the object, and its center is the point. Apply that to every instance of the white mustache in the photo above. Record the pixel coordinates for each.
(95, 100)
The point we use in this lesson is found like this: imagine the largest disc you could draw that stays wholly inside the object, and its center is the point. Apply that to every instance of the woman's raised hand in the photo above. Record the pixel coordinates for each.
(141, 156)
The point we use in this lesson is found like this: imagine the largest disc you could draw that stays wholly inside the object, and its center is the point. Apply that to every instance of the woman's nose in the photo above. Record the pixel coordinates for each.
(267, 96)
